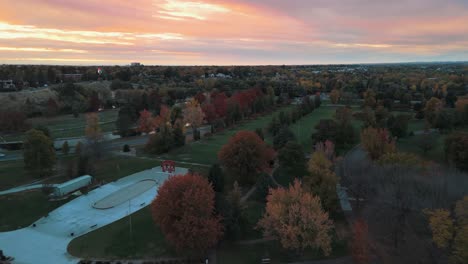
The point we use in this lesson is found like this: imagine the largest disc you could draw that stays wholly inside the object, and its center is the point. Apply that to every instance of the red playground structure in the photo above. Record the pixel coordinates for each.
(168, 166)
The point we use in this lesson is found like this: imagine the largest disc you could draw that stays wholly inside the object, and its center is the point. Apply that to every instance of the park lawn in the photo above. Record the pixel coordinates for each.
(233, 253)
(116, 241)
(117, 167)
(22, 209)
(205, 151)
(13, 173)
(69, 126)
(305, 126)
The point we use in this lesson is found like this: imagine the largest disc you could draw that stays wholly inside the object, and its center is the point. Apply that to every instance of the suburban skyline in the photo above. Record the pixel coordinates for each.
(228, 32)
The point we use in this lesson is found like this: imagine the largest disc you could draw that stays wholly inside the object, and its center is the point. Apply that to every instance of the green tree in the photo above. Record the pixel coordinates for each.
(216, 178)
(292, 159)
(65, 148)
(283, 137)
(179, 136)
(39, 153)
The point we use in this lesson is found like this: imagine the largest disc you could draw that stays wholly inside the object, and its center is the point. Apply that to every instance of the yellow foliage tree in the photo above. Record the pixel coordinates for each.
(377, 142)
(441, 226)
(295, 218)
(193, 114)
(93, 130)
(321, 179)
(335, 96)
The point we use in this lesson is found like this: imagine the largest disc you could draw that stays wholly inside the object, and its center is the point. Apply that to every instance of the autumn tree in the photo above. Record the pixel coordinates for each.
(456, 149)
(321, 179)
(295, 217)
(369, 99)
(147, 123)
(93, 130)
(360, 243)
(432, 108)
(184, 210)
(335, 96)
(52, 107)
(377, 142)
(450, 230)
(245, 155)
(39, 153)
(193, 115)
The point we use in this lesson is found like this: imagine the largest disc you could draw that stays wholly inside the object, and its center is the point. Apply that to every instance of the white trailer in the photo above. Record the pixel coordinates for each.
(72, 185)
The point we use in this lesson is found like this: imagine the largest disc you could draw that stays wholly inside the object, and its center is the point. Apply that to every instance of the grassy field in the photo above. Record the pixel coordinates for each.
(22, 209)
(69, 126)
(205, 151)
(115, 240)
(13, 173)
(304, 127)
(231, 253)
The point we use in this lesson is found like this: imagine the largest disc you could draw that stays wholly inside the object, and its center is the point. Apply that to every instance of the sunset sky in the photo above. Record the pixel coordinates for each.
(226, 32)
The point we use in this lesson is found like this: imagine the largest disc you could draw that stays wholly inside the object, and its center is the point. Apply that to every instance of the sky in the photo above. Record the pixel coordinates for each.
(232, 32)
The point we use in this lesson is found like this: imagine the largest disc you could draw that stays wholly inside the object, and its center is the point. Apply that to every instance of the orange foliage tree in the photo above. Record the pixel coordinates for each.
(334, 96)
(377, 142)
(360, 242)
(184, 210)
(296, 218)
(93, 130)
(147, 123)
(245, 155)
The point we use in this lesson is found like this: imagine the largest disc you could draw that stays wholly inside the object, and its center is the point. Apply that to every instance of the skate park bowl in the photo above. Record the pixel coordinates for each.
(125, 194)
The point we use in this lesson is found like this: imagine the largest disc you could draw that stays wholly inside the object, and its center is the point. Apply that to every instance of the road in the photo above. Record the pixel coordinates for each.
(109, 145)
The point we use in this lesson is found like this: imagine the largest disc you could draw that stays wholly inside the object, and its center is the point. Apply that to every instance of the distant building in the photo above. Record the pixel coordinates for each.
(135, 64)
(7, 85)
(75, 77)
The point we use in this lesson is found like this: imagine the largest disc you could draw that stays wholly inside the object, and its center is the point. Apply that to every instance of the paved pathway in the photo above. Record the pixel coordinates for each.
(23, 188)
(47, 242)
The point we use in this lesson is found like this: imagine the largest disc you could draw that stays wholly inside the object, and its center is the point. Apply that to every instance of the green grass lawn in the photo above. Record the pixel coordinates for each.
(13, 173)
(231, 253)
(205, 151)
(115, 240)
(117, 167)
(305, 126)
(22, 209)
(69, 126)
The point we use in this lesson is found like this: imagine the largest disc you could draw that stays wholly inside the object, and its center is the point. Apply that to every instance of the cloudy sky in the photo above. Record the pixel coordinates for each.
(226, 32)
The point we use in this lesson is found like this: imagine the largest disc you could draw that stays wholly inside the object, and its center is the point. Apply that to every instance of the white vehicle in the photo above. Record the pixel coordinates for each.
(2, 155)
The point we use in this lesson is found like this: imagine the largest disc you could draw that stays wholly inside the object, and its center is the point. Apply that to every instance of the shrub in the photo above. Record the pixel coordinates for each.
(126, 148)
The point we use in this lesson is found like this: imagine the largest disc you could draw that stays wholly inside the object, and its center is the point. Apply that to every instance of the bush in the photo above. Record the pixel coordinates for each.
(126, 148)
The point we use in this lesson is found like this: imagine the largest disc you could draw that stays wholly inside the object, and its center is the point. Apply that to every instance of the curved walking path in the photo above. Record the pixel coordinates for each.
(48, 241)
